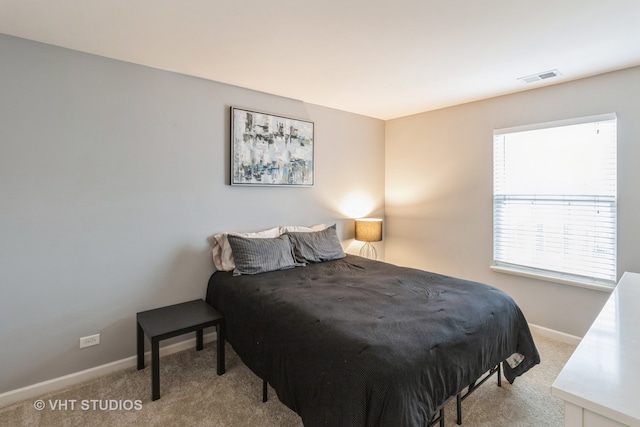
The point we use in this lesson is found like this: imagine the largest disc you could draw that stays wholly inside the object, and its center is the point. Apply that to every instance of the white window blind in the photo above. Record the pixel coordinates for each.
(554, 201)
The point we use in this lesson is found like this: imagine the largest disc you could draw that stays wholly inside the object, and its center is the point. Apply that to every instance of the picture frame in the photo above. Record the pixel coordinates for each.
(271, 150)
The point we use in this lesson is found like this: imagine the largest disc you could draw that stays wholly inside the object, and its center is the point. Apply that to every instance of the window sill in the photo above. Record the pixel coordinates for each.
(555, 279)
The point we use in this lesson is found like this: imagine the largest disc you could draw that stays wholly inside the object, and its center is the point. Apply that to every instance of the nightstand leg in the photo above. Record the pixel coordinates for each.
(199, 339)
(155, 369)
(140, 339)
(220, 333)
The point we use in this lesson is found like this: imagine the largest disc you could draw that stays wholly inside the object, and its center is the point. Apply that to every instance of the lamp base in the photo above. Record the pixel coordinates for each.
(368, 251)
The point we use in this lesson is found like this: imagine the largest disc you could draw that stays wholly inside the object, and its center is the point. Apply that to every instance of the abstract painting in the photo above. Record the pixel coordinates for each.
(270, 150)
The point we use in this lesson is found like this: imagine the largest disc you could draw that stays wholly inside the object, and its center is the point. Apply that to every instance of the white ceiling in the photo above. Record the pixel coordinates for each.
(380, 58)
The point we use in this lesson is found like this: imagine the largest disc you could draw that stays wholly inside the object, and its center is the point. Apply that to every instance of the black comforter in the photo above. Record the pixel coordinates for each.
(355, 342)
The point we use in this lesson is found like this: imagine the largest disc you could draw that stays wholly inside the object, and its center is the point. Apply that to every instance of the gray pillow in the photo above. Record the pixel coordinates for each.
(260, 255)
(316, 246)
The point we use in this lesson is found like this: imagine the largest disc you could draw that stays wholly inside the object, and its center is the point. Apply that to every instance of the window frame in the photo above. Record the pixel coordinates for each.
(538, 273)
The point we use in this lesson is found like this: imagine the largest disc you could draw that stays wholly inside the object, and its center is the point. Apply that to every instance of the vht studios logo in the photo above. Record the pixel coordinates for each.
(88, 405)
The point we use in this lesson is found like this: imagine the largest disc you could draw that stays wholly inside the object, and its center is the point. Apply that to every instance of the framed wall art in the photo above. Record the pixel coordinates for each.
(270, 150)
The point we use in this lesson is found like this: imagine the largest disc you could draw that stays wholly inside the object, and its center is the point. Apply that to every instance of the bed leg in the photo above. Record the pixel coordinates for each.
(459, 409)
(438, 418)
(499, 375)
(264, 391)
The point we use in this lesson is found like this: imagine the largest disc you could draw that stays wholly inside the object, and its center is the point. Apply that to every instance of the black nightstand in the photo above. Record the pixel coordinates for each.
(166, 322)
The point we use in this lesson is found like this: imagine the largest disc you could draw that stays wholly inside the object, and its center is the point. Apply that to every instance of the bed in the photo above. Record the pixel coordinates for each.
(349, 341)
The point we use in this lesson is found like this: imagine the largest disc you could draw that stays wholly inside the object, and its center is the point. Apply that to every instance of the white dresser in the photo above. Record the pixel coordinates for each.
(600, 383)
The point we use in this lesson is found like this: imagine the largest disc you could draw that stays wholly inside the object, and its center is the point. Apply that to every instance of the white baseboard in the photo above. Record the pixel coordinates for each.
(59, 383)
(556, 335)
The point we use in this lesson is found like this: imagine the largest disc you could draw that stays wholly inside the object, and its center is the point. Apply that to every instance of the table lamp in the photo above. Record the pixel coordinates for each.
(368, 230)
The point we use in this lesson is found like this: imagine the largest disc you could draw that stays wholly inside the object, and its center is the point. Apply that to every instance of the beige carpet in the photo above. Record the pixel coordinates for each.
(193, 395)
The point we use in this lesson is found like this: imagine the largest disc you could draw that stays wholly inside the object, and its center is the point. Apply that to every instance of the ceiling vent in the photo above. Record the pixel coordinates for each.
(540, 76)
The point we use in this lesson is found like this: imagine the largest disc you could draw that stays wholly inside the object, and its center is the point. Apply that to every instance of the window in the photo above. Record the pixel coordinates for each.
(554, 200)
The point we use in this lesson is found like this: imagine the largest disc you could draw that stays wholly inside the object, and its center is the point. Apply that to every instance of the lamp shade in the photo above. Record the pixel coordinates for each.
(369, 229)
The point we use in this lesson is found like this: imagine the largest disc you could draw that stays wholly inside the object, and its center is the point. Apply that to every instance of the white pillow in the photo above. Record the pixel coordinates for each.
(301, 229)
(216, 250)
(222, 253)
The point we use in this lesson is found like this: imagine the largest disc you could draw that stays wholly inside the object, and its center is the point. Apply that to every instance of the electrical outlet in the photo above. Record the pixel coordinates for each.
(90, 340)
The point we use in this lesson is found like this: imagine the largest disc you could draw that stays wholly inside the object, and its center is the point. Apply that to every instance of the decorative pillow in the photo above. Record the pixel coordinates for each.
(260, 255)
(222, 253)
(316, 246)
(301, 228)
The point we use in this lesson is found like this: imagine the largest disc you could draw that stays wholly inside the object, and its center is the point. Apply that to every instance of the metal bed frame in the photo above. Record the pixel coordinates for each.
(438, 418)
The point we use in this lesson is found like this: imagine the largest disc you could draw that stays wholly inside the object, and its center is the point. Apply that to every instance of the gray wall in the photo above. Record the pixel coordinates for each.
(438, 196)
(112, 178)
